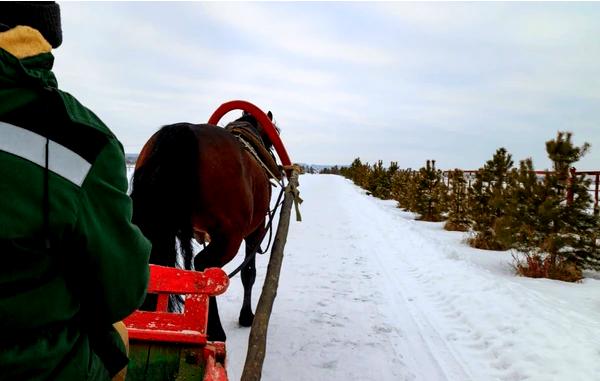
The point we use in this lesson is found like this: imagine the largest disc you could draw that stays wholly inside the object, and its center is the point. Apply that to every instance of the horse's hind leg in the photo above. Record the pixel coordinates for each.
(211, 256)
(249, 276)
(214, 329)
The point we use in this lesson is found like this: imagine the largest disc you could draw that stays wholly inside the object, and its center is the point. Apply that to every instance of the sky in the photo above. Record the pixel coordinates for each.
(401, 82)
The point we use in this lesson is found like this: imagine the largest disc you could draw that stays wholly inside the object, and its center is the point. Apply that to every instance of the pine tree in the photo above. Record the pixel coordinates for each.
(430, 190)
(458, 219)
(519, 228)
(390, 173)
(488, 202)
(412, 191)
(335, 170)
(358, 173)
(379, 181)
(403, 188)
(569, 228)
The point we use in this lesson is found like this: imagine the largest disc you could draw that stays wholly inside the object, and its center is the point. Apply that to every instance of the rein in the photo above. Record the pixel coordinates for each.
(269, 229)
(254, 145)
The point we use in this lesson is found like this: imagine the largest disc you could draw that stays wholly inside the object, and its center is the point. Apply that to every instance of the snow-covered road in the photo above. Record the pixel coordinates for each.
(368, 293)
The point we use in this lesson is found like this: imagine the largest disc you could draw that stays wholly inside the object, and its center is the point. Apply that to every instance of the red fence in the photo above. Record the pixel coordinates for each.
(595, 175)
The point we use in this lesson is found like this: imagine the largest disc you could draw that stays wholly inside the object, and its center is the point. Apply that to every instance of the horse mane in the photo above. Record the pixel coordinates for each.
(248, 118)
(163, 193)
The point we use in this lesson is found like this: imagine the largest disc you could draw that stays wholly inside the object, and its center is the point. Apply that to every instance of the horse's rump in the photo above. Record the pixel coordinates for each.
(197, 177)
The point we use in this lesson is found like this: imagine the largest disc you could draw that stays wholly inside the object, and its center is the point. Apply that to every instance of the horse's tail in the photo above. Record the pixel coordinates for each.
(164, 193)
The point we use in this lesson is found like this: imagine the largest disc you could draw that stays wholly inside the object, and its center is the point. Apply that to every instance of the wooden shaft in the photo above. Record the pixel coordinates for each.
(257, 341)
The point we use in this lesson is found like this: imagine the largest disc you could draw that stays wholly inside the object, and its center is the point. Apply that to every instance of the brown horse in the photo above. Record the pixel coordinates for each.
(197, 181)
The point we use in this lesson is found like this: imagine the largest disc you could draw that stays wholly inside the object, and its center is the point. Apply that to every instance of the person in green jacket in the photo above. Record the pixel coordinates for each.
(71, 262)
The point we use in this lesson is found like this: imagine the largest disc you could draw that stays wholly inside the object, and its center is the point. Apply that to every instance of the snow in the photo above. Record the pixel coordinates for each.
(366, 292)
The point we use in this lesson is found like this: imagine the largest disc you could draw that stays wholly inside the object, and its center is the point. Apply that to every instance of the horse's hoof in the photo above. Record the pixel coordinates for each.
(246, 319)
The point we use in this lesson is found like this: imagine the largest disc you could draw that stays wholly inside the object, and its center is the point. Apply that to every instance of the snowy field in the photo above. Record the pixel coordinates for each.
(367, 292)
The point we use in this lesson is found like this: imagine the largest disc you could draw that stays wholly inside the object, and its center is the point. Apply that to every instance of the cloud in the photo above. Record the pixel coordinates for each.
(292, 31)
(392, 81)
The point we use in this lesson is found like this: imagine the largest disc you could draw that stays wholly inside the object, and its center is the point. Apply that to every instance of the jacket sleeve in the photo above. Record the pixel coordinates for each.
(115, 253)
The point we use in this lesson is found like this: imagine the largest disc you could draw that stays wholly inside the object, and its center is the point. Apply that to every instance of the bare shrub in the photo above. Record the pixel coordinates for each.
(538, 266)
(456, 226)
(485, 241)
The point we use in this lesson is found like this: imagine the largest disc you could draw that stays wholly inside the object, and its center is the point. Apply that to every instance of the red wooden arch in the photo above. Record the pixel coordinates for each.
(261, 117)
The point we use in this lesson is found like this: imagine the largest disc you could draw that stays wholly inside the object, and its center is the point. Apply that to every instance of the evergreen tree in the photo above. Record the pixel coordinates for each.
(392, 171)
(488, 201)
(458, 219)
(403, 188)
(430, 190)
(569, 228)
(379, 181)
(412, 191)
(520, 228)
(335, 170)
(358, 173)
(389, 176)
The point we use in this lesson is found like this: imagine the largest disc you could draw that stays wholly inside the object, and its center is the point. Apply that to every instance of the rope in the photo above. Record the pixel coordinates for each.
(293, 188)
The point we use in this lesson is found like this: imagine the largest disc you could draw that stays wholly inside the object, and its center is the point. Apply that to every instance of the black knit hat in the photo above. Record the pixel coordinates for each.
(41, 15)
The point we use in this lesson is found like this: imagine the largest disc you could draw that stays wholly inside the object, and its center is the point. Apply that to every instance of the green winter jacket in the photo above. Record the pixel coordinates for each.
(71, 262)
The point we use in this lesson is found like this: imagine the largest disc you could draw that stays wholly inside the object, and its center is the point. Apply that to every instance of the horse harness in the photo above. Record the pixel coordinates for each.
(254, 145)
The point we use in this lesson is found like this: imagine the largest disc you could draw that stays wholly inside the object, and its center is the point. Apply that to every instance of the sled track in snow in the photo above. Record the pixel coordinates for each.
(412, 278)
(447, 363)
(431, 349)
